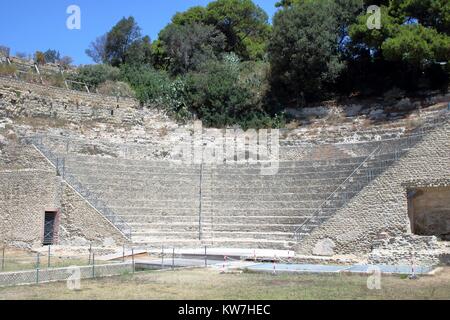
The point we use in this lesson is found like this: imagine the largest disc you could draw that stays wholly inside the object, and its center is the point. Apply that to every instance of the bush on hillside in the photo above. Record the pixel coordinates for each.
(7, 69)
(94, 75)
(115, 88)
(221, 97)
(147, 83)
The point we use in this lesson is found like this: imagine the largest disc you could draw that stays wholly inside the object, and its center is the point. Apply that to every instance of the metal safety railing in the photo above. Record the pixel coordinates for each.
(397, 147)
(90, 197)
(298, 231)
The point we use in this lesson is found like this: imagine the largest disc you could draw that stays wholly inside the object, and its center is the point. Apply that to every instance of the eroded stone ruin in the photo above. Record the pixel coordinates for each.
(79, 168)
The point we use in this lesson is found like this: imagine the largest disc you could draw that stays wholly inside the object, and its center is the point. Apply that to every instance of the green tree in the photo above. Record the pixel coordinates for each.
(120, 39)
(244, 24)
(189, 46)
(96, 50)
(417, 46)
(429, 13)
(140, 51)
(149, 84)
(220, 97)
(304, 51)
(197, 14)
(52, 56)
(406, 52)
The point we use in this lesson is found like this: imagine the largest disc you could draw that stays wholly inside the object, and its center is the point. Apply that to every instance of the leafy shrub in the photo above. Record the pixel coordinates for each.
(94, 75)
(220, 98)
(148, 84)
(31, 76)
(174, 99)
(52, 56)
(115, 88)
(7, 70)
(156, 88)
(39, 58)
(55, 80)
(255, 77)
(65, 62)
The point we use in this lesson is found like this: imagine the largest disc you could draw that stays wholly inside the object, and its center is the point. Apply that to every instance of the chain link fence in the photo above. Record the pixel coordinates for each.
(21, 268)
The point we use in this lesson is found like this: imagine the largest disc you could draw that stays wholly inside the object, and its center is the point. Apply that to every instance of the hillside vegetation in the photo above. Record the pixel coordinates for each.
(225, 64)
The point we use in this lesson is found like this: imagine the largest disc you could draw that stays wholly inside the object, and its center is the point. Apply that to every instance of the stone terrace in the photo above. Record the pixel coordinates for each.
(169, 203)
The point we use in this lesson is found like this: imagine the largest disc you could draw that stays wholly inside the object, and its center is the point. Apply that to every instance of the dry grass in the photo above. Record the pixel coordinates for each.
(18, 260)
(210, 284)
(7, 70)
(163, 131)
(42, 122)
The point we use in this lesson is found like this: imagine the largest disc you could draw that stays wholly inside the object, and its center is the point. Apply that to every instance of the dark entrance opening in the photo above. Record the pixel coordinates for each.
(50, 228)
(429, 211)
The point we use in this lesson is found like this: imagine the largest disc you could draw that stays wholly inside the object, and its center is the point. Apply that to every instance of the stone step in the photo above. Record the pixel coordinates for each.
(145, 243)
(261, 205)
(110, 179)
(248, 227)
(147, 188)
(223, 174)
(157, 213)
(217, 189)
(139, 176)
(215, 198)
(81, 169)
(132, 204)
(192, 226)
(105, 161)
(239, 226)
(285, 174)
(127, 205)
(117, 162)
(162, 213)
(193, 185)
(194, 220)
(162, 235)
(90, 168)
(160, 219)
(218, 197)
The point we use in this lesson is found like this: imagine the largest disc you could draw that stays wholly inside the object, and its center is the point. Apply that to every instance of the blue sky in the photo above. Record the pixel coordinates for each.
(27, 26)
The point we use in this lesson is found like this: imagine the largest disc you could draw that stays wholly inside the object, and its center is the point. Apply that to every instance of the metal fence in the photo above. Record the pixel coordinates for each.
(13, 260)
(20, 267)
(38, 276)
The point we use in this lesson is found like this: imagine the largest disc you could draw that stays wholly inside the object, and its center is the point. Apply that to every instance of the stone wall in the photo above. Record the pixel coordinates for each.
(382, 207)
(29, 188)
(82, 224)
(21, 99)
(14, 156)
(25, 195)
(409, 250)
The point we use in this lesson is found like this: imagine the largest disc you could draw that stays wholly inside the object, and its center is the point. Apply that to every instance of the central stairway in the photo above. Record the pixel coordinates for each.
(226, 206)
